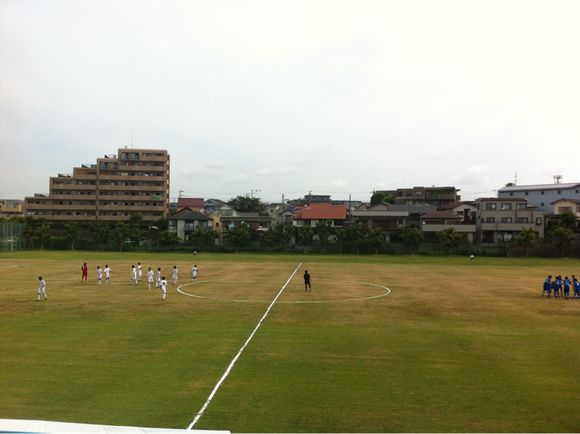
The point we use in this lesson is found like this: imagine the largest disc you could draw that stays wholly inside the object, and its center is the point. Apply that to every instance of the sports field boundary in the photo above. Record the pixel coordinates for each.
(237, 356)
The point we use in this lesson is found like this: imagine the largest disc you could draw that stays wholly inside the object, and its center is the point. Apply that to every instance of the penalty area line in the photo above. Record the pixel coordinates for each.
(237, 356)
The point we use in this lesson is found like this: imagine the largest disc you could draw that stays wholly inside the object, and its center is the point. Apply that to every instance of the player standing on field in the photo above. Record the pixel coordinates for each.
(85, 271)
(163, 286)
(107, 274)
(576, 284)
(149, 278)
(99, 275)
(174, 274)
(194, 272)
(547, 286)
(307, 281)
(41, 289)
(158, 277)
(133, 274)
(139, 272)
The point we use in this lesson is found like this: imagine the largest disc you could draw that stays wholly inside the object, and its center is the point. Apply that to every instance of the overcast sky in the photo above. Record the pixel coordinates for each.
(333, 97)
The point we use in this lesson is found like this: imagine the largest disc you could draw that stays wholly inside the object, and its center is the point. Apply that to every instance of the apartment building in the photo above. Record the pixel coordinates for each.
(437, 196)
(132, 181)
(500, 219)
(11, 208)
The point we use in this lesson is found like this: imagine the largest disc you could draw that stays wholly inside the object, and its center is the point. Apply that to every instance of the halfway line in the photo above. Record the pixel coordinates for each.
(235, 359)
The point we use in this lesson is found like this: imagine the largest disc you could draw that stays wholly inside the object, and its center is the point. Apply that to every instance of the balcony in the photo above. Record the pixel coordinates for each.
(440, 227)
(105, 188)
(131, 178)
(73, 187)
(509, 227)
(132, 208)
(61, 207)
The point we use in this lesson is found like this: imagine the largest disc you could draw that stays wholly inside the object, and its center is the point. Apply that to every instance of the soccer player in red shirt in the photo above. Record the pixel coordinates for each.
(85, 271)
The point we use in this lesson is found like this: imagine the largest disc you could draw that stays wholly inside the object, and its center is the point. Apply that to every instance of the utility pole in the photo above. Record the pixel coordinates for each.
(254, 191)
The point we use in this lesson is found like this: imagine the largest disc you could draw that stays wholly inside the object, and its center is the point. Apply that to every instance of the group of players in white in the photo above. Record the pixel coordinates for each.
(136, 278)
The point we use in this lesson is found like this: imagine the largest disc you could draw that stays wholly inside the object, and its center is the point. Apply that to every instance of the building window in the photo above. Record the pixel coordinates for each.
(491, 206)
(559, 191)
(521, 206)
(511, 193)
(506, 206)
(565, 209)
(522, 220)
(490, 220)
(538, 220)
(506, 220)
(542, 192)
(542, 204)
(526, 193)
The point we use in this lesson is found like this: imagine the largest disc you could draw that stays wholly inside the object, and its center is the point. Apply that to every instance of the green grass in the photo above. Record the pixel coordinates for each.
(457, 346)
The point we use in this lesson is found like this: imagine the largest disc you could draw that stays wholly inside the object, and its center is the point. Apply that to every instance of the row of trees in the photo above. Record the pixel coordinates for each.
(561, 238)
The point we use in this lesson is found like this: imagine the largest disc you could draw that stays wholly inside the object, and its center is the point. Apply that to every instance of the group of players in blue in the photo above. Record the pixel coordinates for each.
(561, 287)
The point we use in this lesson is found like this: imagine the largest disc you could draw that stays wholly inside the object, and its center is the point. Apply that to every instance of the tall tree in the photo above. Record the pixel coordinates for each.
(526, 238)
(411, 236)
(72, 233)
(43, 234)
(240, 236)
(450, 238)
(562, 237)
(247, 204)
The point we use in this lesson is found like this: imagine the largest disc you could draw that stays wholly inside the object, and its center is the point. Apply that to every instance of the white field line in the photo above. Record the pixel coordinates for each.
(235, 359)
(234, 300)
(5, 267)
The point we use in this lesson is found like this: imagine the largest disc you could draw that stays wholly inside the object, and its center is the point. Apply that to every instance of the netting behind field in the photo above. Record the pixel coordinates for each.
(11, 236)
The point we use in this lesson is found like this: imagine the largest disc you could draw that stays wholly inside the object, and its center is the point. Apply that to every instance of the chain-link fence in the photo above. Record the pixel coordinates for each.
(11, 236)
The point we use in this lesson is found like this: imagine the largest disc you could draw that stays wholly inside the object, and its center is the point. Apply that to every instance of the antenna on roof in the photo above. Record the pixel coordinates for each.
(557, 179)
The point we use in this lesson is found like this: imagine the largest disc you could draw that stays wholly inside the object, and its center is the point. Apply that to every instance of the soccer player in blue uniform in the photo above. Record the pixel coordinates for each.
(556, 287)
(547, 286)
(576, 284)
(567, 287)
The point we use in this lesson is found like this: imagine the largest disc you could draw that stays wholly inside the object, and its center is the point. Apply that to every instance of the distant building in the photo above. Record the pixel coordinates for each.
(11, 208)
(542, 195)
(566, 205)
(186, 221)
(436, 196)
(310, 198)
(133, 181)
(315, 213)
(193, 203)
(437, 221)
(212, 205)
(500, 219)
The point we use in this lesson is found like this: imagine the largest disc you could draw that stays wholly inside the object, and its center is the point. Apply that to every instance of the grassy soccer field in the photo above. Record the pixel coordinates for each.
(455, 346)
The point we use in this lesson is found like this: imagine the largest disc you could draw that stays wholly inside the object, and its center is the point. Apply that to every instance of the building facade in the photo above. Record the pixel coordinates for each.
(500, 219)
(11, 208)
(439, 197)
(117, 186)
(542, 196)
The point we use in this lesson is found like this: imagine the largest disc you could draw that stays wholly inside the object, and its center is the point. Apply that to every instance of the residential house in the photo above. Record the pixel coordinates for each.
(502, 218)
(380, 216)
(436, 221)
(315, 213)
(227, 218)
(193, 203)
(186, 221)
(567, 205)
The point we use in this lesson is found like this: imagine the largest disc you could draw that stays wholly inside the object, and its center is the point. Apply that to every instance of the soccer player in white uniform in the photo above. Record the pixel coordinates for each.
(41, 289)
(174, 274)
(149, 278)
(133, 274)
(99, 275)
(158, 277)
(194, 272)
(107, 274)
(163, 286)
(139, 272)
